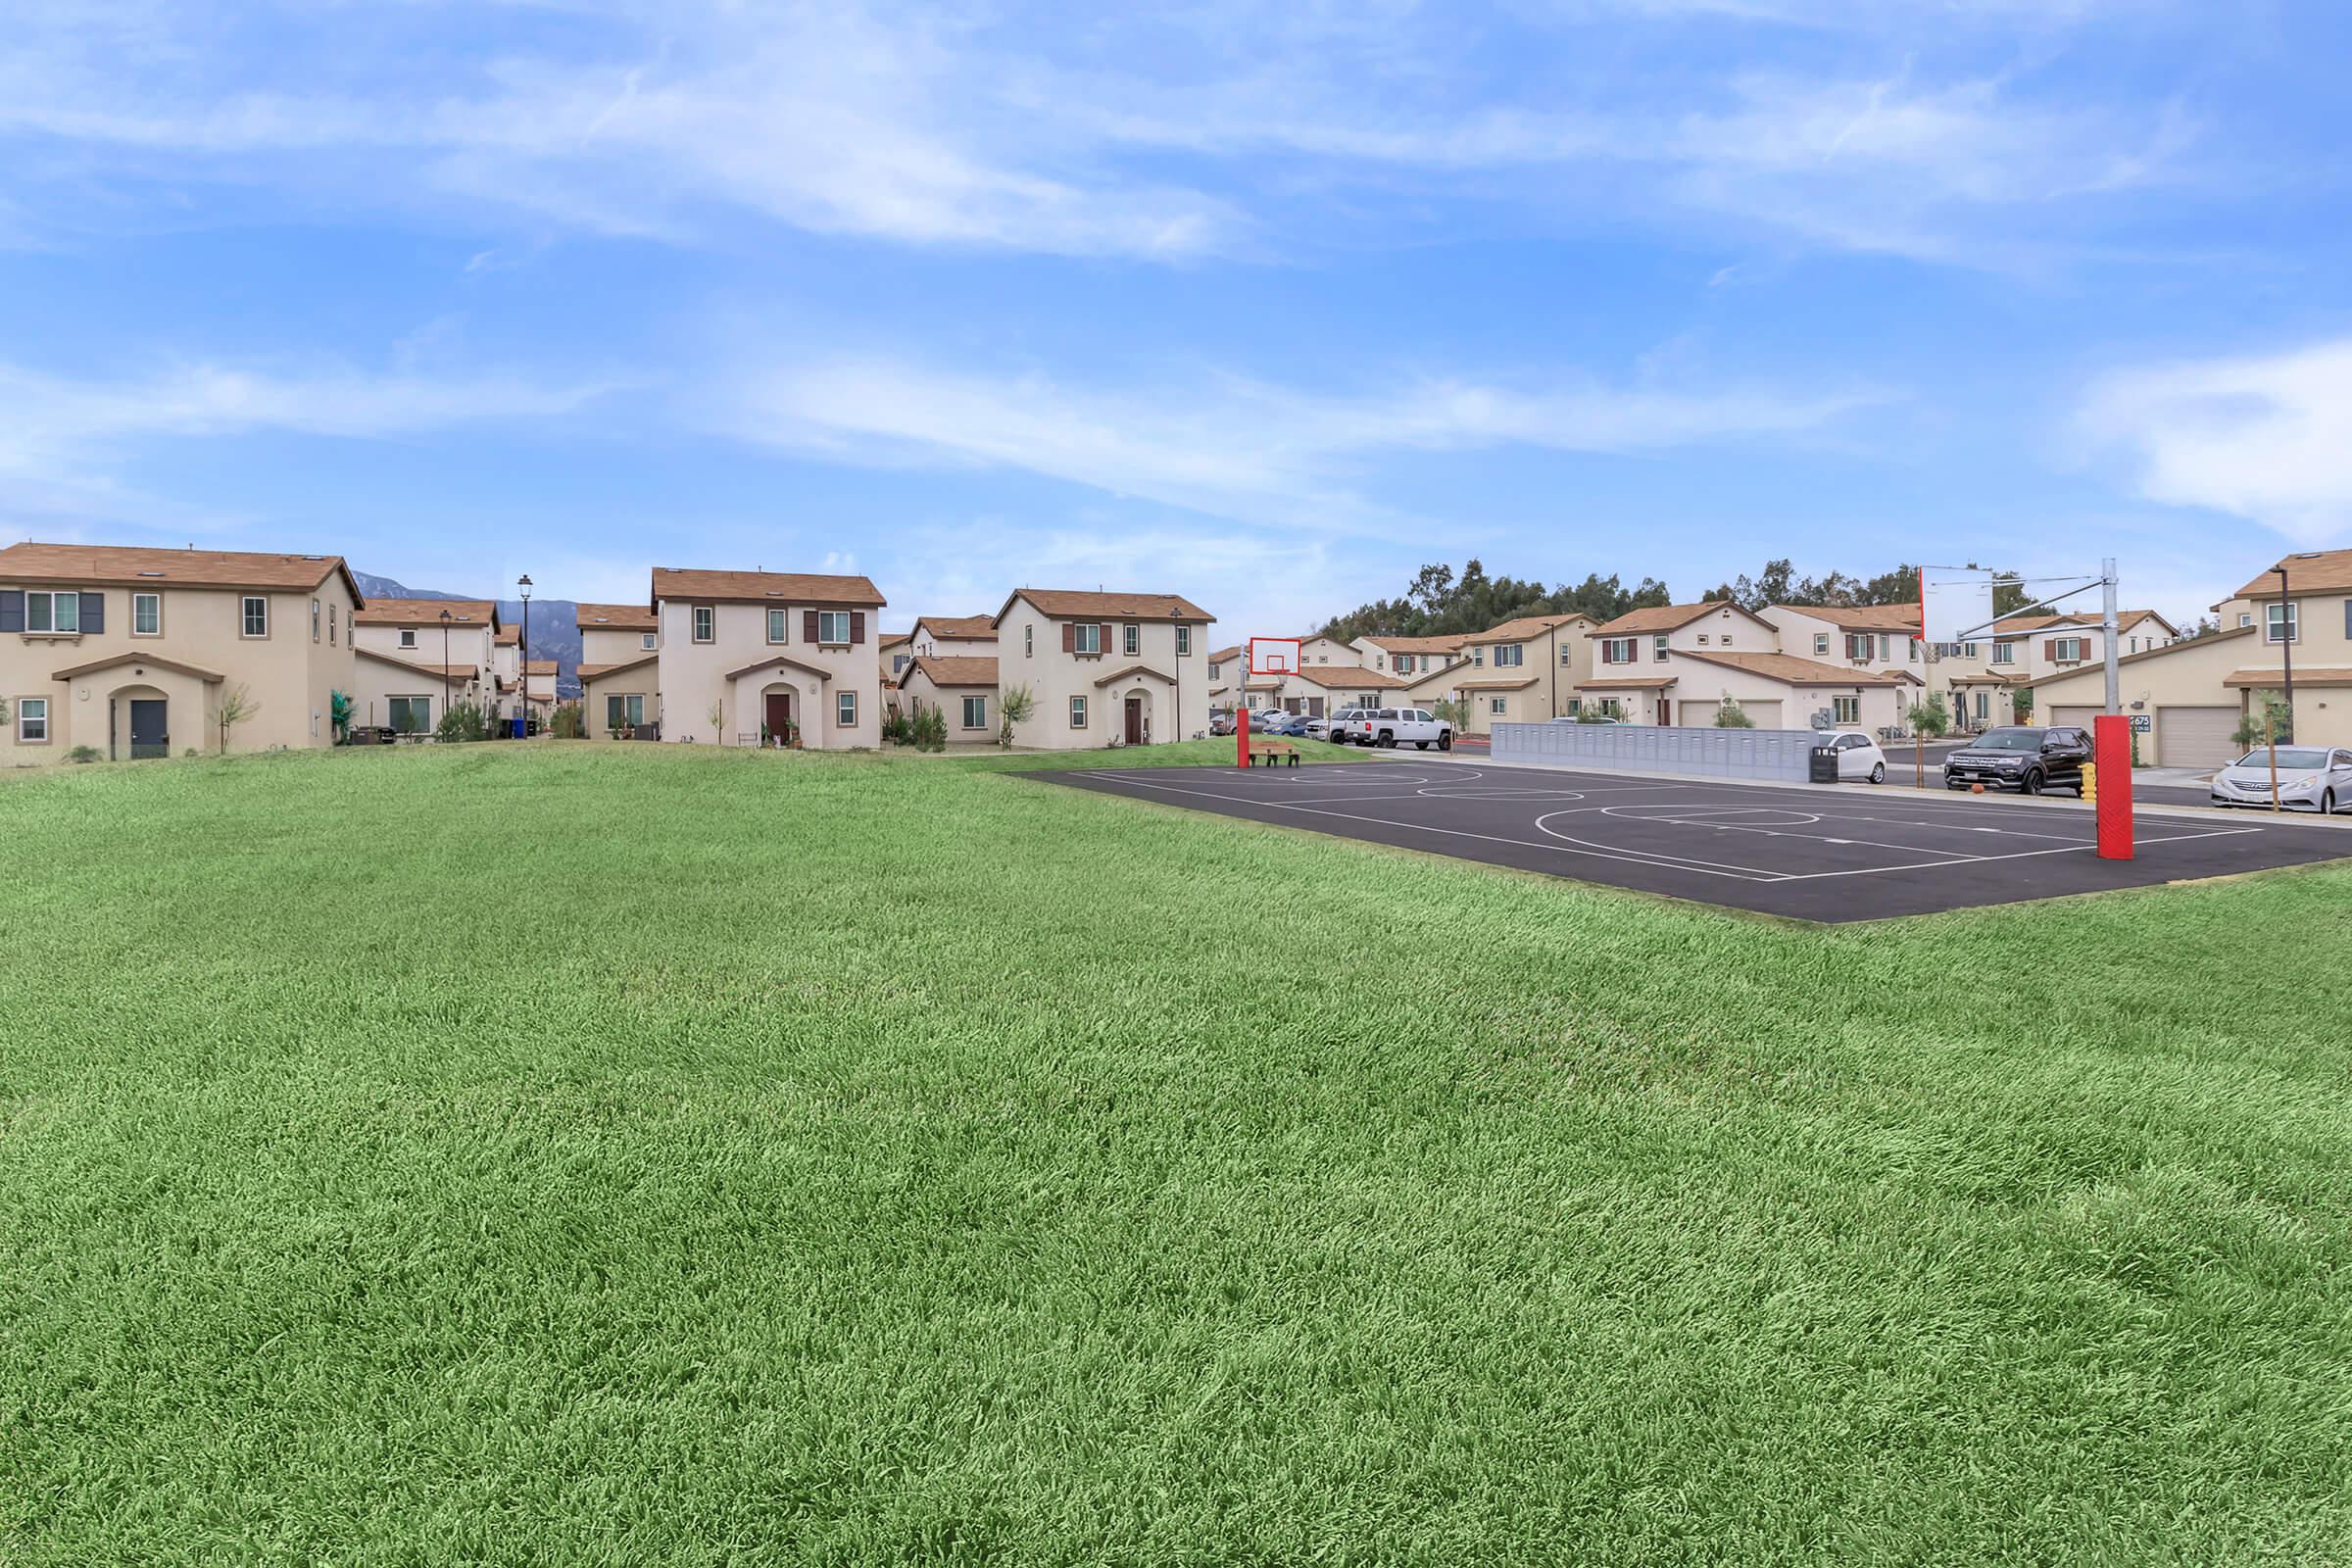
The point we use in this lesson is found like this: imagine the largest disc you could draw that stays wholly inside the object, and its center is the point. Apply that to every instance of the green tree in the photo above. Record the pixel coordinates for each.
(1015, 705)
(2267, 718)
(1930, 718)
(463, 721)
(1731, 716)
(236, 707)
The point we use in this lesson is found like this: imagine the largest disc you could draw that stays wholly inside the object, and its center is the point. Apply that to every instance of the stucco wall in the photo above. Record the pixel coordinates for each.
(1029, 654)
(693, 676)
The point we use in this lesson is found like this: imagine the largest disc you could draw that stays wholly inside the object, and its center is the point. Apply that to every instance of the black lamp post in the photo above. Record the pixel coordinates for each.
(524, 583)
(1176, 634)
(2287, 645)
(445, 664)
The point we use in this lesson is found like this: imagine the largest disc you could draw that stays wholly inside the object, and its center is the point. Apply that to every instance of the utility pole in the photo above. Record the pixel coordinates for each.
(2115, 684)
(445, 665)
(1175, 631)
(2288, 628)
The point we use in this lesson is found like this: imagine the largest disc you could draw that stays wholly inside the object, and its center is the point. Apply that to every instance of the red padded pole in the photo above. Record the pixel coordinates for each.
(2111, 749)
(1241, 729)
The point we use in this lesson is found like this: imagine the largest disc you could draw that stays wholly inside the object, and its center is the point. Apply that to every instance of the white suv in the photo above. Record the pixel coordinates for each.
(1394, 726)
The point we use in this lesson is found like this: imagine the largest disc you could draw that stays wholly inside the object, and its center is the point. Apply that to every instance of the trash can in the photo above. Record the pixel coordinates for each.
(1820, 766)
(519, 721)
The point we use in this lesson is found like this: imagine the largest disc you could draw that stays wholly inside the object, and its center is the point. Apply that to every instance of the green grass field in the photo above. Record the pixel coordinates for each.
(586, 1154)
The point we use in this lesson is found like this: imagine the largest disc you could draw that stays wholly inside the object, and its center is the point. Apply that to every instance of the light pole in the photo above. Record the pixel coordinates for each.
(2287, 645)
(445, 664)
(1176, 631)
(524, 583)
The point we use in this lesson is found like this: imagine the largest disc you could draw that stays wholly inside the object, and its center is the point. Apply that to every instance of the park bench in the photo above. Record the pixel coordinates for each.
(1268, 753)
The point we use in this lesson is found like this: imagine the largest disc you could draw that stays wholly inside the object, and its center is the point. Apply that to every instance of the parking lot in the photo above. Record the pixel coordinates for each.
(1827, 855)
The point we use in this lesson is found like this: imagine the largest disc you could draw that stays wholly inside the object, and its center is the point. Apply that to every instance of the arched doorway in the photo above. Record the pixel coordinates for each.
(1135, 717)
(140, 722)
(776, 720)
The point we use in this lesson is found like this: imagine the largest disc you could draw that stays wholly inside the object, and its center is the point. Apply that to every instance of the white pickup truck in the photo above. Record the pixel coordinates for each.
(1396, 726)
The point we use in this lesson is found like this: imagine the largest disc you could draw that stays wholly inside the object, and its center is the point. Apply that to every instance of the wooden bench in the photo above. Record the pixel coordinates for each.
(1272, 752)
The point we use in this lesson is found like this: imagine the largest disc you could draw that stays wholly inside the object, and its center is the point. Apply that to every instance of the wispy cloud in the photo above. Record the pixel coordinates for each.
(2267, 438)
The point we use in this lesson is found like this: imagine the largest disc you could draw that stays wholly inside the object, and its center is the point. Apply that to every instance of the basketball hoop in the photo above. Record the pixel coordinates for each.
(1268, 656)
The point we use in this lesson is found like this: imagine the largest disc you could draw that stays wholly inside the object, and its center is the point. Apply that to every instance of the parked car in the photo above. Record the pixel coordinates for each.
(1338, 728)
(1859, 759)
(1220, 723)
(1394, 726)
(1286, 724)
(2311, 778)
(2026, 758)
(372, 735)
(1316, 728)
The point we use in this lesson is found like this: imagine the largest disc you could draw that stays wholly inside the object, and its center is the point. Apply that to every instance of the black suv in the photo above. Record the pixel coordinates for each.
(2023, 757)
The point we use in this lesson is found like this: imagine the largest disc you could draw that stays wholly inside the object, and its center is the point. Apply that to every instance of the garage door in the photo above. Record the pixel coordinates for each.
(1767, 715)
(1702, 715)
(2074, 717)
(2195, 737)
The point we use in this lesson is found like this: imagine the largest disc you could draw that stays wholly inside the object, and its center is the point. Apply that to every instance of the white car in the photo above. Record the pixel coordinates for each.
(1859, 759)
(1394, 726)
(2311, 778)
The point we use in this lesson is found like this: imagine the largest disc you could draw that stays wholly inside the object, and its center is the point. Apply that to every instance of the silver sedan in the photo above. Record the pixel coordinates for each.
(2311, 778)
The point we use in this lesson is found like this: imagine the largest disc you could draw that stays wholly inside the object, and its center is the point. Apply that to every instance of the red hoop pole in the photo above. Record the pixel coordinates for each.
(1241, 727)
(2111, 747)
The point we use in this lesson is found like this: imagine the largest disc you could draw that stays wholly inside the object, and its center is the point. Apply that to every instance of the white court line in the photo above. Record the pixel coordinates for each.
(1664, 857)
(2012, 855)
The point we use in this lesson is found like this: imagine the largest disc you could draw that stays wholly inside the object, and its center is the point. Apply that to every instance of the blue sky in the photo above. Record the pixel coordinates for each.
(1264, 304)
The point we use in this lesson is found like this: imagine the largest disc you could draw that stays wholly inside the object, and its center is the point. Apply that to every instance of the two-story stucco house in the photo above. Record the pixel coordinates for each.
(1523, 670)
(136, 653)
(1104, 668)
(2192, 695)
(962, 686)
(1408, 658)
(1682, 663)
(620, 647)
(753, 657)
(954, 636)
(415, 657)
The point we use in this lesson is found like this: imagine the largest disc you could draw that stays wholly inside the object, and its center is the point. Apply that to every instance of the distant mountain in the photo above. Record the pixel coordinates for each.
(555, 624)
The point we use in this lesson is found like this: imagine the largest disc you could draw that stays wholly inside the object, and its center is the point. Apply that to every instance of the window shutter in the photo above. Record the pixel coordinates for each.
(12, 609)
(93, 612)
(857, 627)
(1070, 630)
(1107, 644)
(2050, 651)
(808, 627)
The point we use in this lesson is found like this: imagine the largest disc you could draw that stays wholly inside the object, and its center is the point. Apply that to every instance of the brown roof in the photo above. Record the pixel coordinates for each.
(1790, 670)
(136, 568)
(539, 666)
(1518, 631)
(617, 617)
(1624, 683)
(1071, 604)
(890, 639)
(1351, 677)
(952, 670)
(965, 626)
(470, 613)
(415, 666)
(763, 587)
(1418, 645)
(1860, 617)
(208, 677)
(1667, 617)
(779, 662)
(1122, 673)
(1492, 684)
(1223, 654)
(2323, 676)
(2308, 571)
(592, 671)
(506, 637)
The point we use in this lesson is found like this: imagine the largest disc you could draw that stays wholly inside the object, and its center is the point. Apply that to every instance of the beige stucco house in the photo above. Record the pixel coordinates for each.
(135, 652)
(1104, 668)
(620, 662)
(1408, 657)
(412, 663)
(1680, 664)
(1316, 690)
(752, 655)
(962, 686)
(964, 636)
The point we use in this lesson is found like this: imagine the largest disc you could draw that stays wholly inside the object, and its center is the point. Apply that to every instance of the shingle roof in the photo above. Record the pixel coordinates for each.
(539, 666)
(1221, 654)
(473, 614)
(617, 617)
(1073, 603)
(1126, 670)
(1860, 617)
(763, 587)
(1521, 629)
(2323, 676)
(968, 627)
(952, 670)
(1352, 676)
(1492, 684)
(593, 672)
(1624, 683)
(1418, 645)
(134, 566)
(138, 656)
(2310, 572)
(435, 671)
(1790, 670)
(508, 637)
(1667, 617)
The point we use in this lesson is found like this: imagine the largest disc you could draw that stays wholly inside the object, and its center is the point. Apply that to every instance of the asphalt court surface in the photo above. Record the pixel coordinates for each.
(1814, 854)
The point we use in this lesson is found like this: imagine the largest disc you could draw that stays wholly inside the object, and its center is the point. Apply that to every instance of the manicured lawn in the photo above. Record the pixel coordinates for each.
(617, 1155)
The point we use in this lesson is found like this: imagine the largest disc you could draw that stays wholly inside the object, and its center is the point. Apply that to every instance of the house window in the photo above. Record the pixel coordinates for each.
(777, 622)
(1858, 647)
(706, 623)
(32, 720)
(1184, 642)
(1846, 709)
(146, 615)
(1216, 672)
(2280, 623)
(1477, 656)
(623, 710)
(407, 637)
(1088, 638)
(1077, 713)
(833, 627)
(1131, 641)
(2067, 650)
(645, 640)
(1509, 655)
(256, 615)
(975, 712)
(898, 663)
(1029, 643)
(1703, 639)
(330, 625)
(1565, 659)
(410, 716)
(314, 621)
(1657, 648)
(1617, 650)
(2004, 653)
(58, 612)
(845, 710)
(1498, 705)
(2245, 618)
(1821, 642)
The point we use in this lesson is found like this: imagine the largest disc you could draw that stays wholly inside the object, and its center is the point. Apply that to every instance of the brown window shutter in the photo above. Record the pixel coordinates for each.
(1069, 636)
(1107, 644)
(808, 627)
(857, 627)
(2050, 650)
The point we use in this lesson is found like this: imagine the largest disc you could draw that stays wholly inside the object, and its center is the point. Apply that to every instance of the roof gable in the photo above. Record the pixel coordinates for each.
(131, 566)
(764, 588)
(1072, 603)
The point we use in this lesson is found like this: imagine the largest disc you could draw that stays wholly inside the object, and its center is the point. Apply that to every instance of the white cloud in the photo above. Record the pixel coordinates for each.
(2267, 438)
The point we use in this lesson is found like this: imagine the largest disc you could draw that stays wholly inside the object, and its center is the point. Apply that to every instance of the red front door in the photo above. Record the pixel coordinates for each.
(780, 716)
(1135, 722)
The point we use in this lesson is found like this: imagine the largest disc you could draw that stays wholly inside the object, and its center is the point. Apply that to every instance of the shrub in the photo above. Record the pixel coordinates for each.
(463, 721)
(1731, 716)
(1930, 718)
(929, 729)
(84, 754)
(2268, 719)
(1015, 705)
(571, 724)
(2021, 707)
(894, 728)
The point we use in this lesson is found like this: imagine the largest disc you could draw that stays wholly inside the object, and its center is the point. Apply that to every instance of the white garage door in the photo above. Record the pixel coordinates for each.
(1702, 715)
(2195, 737)
(2076, 717)
(1767, 715)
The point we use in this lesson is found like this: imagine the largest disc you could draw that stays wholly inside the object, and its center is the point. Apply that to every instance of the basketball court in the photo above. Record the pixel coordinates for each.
(1816, 853)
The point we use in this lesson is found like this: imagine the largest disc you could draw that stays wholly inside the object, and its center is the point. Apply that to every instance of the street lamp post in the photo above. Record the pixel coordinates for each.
(445, 664)
(1176, 631)
(524, 583)
(2286, 644)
